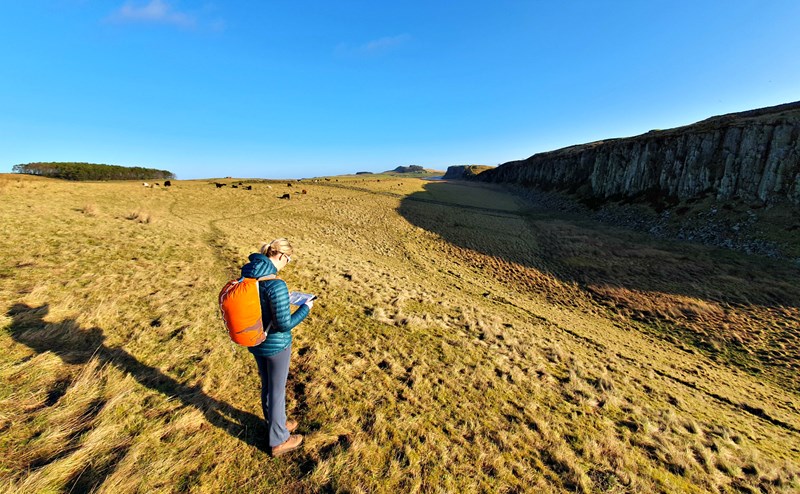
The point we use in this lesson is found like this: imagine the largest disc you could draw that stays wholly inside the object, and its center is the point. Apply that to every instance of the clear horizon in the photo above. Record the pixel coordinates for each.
(311, 89)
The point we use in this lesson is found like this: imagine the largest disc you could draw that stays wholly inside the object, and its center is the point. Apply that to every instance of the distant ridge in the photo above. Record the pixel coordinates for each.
(752, 155)
(413, 170)
(409, 169)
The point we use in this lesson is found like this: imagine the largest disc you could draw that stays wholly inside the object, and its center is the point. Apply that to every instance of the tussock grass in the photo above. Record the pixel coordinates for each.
(449, 357)
(90, 209)
(140, 217)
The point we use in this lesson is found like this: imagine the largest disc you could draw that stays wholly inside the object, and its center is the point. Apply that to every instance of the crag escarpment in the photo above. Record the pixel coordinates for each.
(464, 172)
(752, 155)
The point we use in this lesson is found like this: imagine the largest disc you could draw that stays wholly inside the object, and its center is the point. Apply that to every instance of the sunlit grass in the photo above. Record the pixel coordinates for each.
(451, 348)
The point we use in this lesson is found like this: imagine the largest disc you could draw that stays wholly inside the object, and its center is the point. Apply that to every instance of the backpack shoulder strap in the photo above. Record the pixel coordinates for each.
(268, 277)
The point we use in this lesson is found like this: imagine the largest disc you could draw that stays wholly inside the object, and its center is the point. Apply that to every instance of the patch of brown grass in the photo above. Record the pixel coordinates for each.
(649, 305)
(91, 210)
(140, 217)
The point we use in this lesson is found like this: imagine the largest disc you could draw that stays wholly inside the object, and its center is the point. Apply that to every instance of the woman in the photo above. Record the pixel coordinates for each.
(272, 356)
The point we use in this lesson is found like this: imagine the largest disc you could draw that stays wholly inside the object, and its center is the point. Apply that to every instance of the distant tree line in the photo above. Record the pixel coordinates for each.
(91, 171)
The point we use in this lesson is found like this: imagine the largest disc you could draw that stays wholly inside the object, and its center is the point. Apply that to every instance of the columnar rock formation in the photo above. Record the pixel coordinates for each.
(752, 155)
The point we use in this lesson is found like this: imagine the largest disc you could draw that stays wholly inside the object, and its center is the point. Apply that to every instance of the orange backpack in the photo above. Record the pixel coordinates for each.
(241, 310)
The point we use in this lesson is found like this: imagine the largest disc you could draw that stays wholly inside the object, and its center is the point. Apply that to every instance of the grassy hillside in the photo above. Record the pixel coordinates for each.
(462, 342)
(472, 170)
(422, 174)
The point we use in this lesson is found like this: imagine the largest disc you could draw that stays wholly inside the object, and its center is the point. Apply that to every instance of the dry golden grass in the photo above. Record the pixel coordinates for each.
(461, 343)
(90, 210)
(140, 217)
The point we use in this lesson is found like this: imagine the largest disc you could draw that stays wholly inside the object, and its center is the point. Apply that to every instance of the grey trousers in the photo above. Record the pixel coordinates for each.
(273, 371)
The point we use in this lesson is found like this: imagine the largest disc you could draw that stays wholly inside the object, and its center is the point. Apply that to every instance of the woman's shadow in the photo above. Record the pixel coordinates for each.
(77, 346)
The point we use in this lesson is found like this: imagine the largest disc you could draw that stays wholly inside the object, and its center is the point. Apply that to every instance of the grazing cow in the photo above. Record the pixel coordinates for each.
(285, 196)
(219, 185)
(234, 186)
(304, 191)
(289, 185)
(269, 186)
(248, 187)
(327, 180)
(146, 184)
(167, 183)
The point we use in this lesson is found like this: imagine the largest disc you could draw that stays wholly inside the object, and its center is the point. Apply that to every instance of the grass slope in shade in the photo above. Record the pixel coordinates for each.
(463, 342)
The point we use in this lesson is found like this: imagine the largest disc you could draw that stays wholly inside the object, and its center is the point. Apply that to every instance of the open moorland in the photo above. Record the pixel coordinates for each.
(464, 341)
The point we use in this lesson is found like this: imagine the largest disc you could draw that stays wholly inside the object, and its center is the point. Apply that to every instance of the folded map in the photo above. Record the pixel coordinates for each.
(299, 298)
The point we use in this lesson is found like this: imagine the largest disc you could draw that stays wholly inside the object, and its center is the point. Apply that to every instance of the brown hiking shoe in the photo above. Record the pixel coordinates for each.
(291, 425)
(289, 445)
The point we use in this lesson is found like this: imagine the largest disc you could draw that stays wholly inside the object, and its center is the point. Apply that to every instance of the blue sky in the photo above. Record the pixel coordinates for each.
(298, 89)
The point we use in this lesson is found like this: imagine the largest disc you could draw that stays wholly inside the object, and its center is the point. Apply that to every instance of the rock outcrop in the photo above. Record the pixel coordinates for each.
(464, 172)
(454, 172)
(752, 155)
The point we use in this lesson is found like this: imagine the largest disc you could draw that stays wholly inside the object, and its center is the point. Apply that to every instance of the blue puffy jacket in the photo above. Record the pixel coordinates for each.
(275, 307)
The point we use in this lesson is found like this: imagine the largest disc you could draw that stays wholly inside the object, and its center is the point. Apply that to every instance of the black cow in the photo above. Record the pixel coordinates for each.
(167, 183)
(285, 196)
(219, 185)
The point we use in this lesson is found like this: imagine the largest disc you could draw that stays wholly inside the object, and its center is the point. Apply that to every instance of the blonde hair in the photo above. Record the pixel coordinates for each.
(277, 246)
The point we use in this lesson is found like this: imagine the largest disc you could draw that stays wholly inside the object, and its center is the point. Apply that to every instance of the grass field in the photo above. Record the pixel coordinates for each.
(464, 341)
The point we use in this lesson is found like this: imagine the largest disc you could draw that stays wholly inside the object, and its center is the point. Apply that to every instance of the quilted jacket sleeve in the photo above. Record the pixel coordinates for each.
(282, 318)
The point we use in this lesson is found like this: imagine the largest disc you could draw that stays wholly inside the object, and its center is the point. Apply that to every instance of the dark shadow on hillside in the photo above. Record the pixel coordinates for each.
(77, 346)
(590, 254)
(742, 310)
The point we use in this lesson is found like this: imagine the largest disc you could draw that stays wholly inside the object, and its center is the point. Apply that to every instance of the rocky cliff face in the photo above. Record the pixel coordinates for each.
(753, 155)
(464, 172)
(455, 172)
